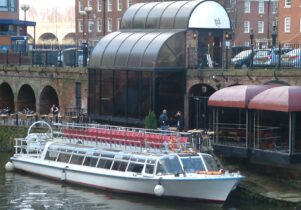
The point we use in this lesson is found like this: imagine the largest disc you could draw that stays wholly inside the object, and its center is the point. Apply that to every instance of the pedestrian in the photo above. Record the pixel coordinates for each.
(54, 110)
(163, 120)
(179, 119)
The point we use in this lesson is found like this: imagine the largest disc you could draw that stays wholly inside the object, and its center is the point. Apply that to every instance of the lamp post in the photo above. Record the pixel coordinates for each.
(252, 46)
(88, 10)
(251, 37)
(25, 8)
(274, 36)
(83, 13)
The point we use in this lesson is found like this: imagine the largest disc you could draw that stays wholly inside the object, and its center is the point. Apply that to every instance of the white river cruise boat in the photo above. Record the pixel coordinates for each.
(100, 157)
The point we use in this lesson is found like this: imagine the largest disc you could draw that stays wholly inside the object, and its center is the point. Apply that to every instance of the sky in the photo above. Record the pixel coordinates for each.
(45, 10)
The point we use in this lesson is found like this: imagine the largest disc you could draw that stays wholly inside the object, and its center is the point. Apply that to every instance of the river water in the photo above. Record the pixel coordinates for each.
(26, 192)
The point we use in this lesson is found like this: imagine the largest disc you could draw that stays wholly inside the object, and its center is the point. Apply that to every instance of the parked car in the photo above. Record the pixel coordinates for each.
(70, 57)
(269, 57)
(292, 58)
(243, 59)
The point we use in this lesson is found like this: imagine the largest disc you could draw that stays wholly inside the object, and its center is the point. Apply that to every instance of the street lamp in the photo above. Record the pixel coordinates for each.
(274, 36)
(83, 13)
(88, 10)
(252, 46)
(25, 8)
(251, 37)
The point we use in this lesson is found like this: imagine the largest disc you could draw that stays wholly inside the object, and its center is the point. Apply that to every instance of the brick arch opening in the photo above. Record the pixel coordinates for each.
(199, 111)
(48, 97)
(48, 39)
(6, 97)
(26, 99)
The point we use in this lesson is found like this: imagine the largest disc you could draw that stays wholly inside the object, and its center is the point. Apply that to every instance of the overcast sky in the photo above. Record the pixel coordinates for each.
(43, 10)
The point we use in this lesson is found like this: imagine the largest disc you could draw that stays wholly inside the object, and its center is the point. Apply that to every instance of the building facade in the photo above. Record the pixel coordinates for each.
(13, 32)
(96, 18)
(257, 17)
(289, 22)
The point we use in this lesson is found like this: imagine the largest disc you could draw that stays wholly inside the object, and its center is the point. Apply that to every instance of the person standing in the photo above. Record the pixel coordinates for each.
(163, 120)
(179, 121)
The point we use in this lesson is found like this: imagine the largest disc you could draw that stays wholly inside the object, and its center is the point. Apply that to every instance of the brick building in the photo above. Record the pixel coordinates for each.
(289, 27)
(258, 16)
(96, 18)
(13, 32)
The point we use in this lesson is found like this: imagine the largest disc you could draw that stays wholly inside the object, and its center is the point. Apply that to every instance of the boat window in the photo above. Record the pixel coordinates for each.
(135, 167)
(90, 161)
(149, 169)
(119, 165)
(108, 155)
(192, 164)
(64, 157)
(51, 155)
(169, 165)
(137, 159)
(210, 163)
(77, 159)
(104, 163)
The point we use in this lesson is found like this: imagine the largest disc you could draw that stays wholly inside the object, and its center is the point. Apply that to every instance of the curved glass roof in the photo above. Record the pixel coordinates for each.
(140, 51)
(152, 35)
(176, 15)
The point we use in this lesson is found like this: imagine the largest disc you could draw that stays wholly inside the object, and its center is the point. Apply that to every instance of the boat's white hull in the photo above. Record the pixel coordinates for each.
(204, 187)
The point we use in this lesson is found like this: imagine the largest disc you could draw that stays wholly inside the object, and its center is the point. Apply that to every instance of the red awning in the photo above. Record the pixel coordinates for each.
(283, 98)
(236, 96)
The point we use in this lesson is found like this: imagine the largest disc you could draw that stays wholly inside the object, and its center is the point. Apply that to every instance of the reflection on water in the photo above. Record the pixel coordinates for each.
(25, 191)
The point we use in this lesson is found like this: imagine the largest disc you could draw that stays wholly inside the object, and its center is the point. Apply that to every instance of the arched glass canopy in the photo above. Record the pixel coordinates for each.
(153, 35)
(140, 51)
(176, 15)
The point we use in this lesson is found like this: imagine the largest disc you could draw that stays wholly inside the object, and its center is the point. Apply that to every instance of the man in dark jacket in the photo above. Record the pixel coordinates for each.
(163, 120)
(179, 121)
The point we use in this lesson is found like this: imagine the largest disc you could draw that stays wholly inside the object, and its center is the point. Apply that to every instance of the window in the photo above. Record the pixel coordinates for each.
(8, 5)
(135, 167)
(169, 165)
(118, 23)
(260, 27)
(246, 26)
(99, 5)
(109, 24)
(109, 5)
(80, 26)
(90, 161)
(192, 164)
(287, 24)
(90, 24)
(80, 6)
(247, 7)
(99, 25)
(119, 6)
(77, 159)
(261, 7)
(287, 3)
(104, 163)
(119, 165)
(130, 2)
(64, 157)
(274, 7)
(90, 3)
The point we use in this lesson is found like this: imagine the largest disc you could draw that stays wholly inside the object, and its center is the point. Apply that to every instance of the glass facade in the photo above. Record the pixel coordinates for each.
(127, 96)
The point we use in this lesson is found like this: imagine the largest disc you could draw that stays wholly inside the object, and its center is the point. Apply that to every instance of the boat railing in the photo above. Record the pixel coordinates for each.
(126, 137)
(26, 147)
